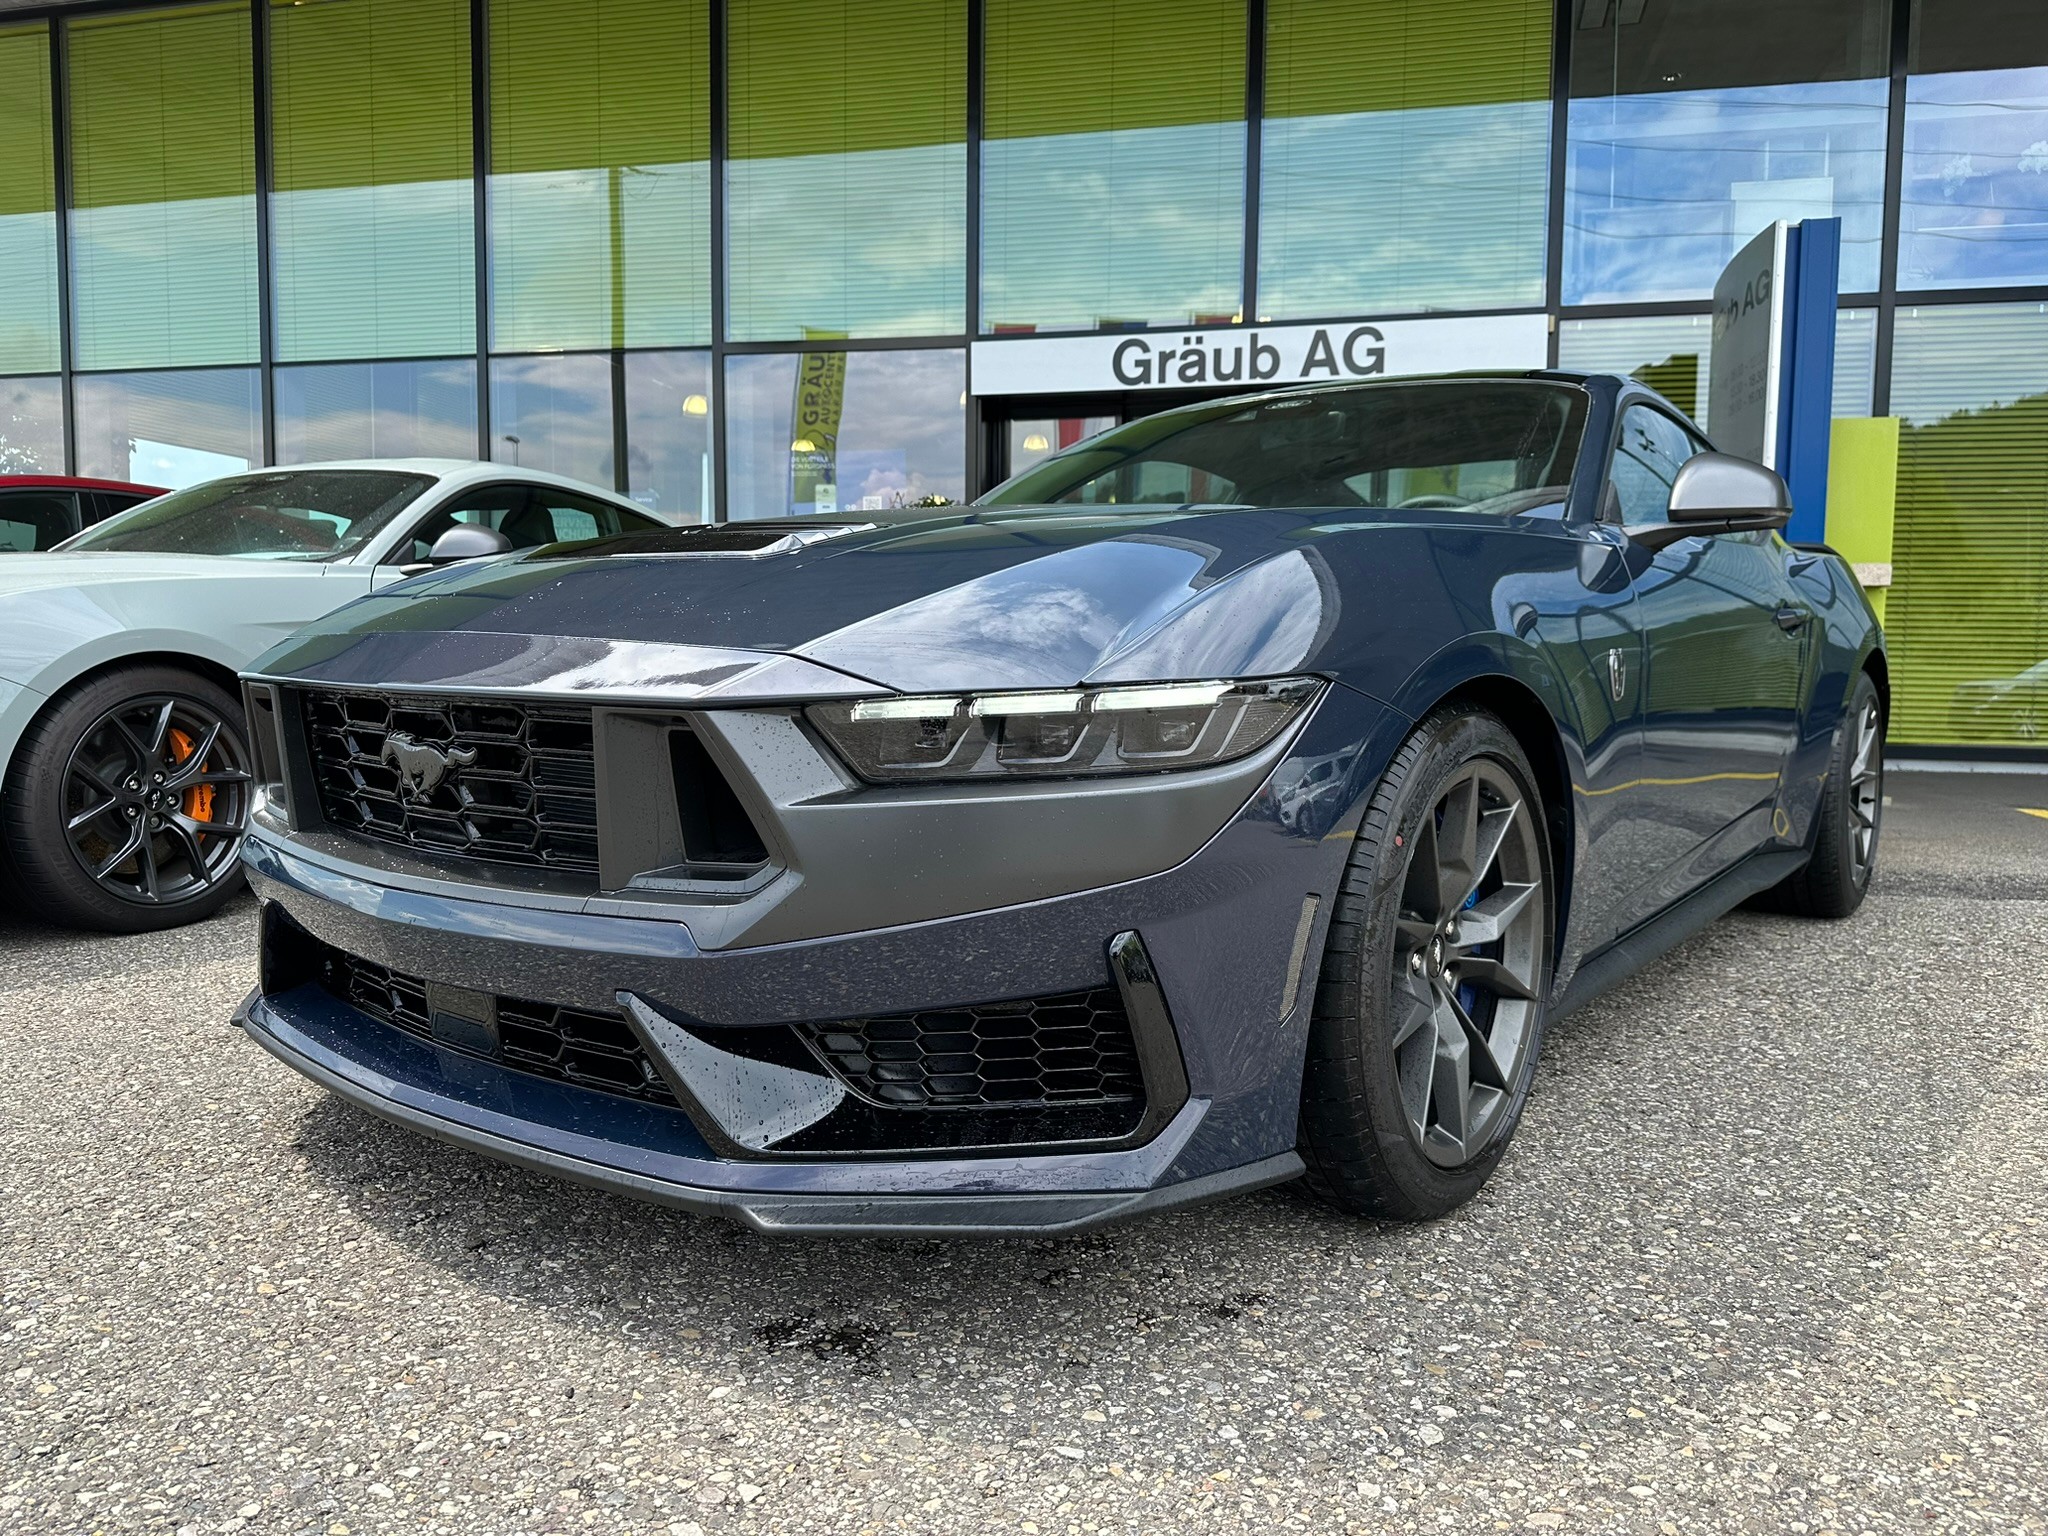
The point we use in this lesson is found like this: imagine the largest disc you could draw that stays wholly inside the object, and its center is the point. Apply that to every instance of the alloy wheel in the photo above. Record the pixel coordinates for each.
(1866, 792)
(1468, 963)
(156, 798)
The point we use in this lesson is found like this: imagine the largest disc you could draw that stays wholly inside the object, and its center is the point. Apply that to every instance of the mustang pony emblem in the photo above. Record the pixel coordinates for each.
(421, 765)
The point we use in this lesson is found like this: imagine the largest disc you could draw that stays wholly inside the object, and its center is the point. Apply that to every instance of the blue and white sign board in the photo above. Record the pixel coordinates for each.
(1771, 370)
(1250, 356)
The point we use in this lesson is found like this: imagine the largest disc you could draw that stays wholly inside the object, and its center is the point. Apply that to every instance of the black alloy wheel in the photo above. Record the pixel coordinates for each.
(155, 800)
(1847, 821)
(127, 802)
(1468, 959)
(1429, 1011)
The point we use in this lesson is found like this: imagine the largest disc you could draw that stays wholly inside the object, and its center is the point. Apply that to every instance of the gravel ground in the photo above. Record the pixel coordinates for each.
(1769, 1255)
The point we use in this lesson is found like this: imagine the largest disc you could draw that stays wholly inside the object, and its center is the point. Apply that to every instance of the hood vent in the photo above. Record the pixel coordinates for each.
(727, 541)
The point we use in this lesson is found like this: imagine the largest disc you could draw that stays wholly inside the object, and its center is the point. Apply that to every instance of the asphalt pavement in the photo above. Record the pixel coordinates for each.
(1770, 1254)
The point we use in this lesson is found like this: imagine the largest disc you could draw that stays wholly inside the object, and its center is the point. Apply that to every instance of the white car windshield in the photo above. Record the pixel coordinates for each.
(285, 514)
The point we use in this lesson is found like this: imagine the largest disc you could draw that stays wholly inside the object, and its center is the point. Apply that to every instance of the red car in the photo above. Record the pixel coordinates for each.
(41, 511)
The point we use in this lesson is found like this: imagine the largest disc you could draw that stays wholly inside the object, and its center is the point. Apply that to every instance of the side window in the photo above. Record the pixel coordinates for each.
(571, 517)
(501, 507)
(35, 520)
(1646, 462)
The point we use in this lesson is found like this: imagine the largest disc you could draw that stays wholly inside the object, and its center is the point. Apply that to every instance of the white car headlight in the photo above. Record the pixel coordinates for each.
(1069, 733)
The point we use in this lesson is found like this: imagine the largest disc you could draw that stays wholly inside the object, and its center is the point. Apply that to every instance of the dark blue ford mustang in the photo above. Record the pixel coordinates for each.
(1232, 796)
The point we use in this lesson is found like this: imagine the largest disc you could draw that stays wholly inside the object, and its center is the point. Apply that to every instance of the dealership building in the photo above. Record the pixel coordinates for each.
(735, 257)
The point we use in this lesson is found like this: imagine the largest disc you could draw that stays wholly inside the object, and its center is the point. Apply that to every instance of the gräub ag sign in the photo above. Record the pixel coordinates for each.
(1247, 357)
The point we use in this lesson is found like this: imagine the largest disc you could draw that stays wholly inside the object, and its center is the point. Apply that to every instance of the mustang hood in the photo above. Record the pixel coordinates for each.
(965, 601)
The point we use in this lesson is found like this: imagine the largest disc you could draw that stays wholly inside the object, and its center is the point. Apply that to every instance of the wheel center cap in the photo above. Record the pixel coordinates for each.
(1436, 957)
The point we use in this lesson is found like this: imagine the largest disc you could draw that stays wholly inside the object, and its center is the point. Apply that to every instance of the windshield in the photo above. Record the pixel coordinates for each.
(1498, 447)
(285, 514)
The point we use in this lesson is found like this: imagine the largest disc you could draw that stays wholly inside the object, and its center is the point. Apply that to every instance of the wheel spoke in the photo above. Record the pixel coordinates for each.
(195, 760)
(1420, 891)
(1494, 976)
(1451, 1079)
(90, 814)
(122, 854)
(224, 776)
(146, 848)
(186, 831)
(1480, 1060)
(1414, 1072)
(1414, 1007)
(1458, 866)
(136, 745)
(1494, 827)
(160, 733)
(1489, 921)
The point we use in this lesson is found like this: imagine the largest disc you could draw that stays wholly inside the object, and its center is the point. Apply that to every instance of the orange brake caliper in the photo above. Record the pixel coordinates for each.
(198, 802)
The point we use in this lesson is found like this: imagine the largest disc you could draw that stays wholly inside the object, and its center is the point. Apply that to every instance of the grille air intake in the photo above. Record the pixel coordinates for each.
(498, 781)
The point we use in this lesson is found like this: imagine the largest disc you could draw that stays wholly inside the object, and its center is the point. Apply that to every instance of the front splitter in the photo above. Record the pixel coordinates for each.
(932, 1214)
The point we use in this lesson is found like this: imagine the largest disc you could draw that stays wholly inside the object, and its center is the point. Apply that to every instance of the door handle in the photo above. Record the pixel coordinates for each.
(1790, 618)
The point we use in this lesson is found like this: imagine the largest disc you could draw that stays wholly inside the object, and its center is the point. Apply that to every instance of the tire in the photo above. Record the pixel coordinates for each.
(81, 789)
(1847, 820)
(1384, 1033)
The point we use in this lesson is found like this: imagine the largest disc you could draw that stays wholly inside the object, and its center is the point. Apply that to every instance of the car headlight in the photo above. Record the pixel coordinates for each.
(1076, 732)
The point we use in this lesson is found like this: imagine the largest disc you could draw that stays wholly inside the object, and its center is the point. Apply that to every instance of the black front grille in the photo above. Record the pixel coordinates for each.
(1071, 1049)
(582, 1046)
(501, 781)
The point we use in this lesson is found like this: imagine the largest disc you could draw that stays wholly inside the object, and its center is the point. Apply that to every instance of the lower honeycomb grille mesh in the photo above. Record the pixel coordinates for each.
(580, 1046)
(1073, 1048)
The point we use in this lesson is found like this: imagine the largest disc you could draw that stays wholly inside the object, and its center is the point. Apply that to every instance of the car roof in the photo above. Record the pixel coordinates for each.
(455, 472)
(76, 483)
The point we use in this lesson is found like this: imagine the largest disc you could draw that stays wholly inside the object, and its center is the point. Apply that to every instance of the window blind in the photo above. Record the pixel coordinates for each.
(1967, 614)
(163, 182)
(1113, 167)
(28, 201)
(1405, 156)
(600, 193)
(373, 206)
(848, 178)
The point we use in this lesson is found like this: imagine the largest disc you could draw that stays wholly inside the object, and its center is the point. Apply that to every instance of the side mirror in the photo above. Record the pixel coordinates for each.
(1718, 493)
(468, 541)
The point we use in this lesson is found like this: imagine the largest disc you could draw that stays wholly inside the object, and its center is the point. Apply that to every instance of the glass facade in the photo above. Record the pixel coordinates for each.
(600, 185)
(1112, 195)
(163, 189)
(376, 411)
(1688, 134)
(372, 202)
(668, 432)
(1404, 167)
(1974, 201)
(846, 187)
(28, 205)
(730, 256)
(554, 412)
(845, 431)
(32, 426)
(170, 429)
(1967, 614)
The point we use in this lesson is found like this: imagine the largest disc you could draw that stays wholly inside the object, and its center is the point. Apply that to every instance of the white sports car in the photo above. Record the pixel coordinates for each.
(124, 755)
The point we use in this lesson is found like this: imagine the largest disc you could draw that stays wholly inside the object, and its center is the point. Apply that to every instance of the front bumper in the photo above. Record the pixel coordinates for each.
(918, 1198)
(1230, 934)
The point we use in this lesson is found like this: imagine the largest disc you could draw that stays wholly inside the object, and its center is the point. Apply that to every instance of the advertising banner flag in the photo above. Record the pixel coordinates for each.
(814, 429)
